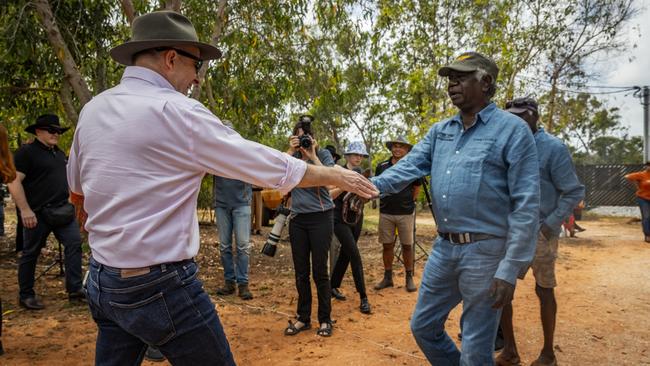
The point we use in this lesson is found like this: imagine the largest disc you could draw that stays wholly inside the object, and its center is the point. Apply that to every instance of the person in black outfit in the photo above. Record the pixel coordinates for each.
(348, 235)
(41, 184)
(310, 234)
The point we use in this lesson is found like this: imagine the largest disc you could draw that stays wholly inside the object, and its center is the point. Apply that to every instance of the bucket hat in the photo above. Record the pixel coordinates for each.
(356, 147)
(400, 140)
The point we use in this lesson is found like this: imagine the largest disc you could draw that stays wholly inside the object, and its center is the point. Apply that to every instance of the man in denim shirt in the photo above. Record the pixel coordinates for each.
(560, 192)
(485, 195)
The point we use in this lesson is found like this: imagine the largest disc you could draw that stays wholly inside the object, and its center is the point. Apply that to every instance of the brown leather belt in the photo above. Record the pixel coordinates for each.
(465, 238)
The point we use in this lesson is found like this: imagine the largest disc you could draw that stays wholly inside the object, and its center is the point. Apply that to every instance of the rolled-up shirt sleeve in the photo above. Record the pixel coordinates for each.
(219, 150)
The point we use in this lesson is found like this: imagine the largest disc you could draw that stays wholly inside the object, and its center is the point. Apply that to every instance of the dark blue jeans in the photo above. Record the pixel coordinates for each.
(644, 205)
(166, 308)
(34, 240)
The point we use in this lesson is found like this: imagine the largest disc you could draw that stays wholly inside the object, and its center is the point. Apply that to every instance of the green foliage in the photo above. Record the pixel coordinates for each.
(366, 70)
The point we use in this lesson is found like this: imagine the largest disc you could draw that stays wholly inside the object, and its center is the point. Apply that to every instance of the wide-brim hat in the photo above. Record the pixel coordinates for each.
(46, 121)
(161, 29)
(356, 147)
(469, 62)
(400, 140)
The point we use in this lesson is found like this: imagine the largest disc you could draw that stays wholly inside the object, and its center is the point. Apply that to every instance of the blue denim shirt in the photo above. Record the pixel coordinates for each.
(560, 190)
(231, 192)
(483, 180)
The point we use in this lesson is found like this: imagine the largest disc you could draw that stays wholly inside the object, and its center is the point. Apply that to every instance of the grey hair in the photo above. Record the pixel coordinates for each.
(480, 73)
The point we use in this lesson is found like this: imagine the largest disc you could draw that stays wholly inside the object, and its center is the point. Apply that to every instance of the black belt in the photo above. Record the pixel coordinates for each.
(465, 238)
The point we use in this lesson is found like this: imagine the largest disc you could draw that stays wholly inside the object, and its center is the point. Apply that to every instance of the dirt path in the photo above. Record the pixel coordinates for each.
(603, 299)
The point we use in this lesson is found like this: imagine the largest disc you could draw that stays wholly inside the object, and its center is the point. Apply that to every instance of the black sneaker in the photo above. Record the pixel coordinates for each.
(365, 306)
(338, 294)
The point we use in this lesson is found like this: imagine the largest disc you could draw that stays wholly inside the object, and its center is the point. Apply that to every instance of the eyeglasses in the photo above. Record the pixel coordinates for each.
(197, 61)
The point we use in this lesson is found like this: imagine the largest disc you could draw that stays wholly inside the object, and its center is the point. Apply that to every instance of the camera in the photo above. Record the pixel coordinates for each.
(271, 244)
(304, 122)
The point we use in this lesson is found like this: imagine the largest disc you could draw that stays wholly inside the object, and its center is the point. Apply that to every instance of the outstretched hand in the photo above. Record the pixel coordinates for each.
(354, 182)
(502, 292)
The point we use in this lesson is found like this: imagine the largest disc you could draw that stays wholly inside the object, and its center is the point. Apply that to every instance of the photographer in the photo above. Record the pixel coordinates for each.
(348, 233)
(310, 232)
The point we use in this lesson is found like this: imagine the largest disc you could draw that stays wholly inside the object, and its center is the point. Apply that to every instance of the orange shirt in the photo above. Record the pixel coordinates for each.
(643, 179)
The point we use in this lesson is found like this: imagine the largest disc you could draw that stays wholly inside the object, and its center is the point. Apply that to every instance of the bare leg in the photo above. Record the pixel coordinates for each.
(388, 256)
(407, 254)
(509, 355)
(548, 311)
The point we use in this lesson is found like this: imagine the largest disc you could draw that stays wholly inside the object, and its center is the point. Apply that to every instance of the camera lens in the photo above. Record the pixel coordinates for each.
(305, 141)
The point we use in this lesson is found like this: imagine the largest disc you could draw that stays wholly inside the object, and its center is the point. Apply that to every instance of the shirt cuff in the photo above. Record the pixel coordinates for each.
(379, 185)
(296, 169)
(508, 272)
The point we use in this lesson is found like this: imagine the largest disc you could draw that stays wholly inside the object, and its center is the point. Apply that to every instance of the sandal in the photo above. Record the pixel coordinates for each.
(325, 332)
(291, 329)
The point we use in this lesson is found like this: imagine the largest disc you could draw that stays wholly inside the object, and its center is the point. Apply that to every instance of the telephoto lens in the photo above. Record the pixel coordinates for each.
(271, 244)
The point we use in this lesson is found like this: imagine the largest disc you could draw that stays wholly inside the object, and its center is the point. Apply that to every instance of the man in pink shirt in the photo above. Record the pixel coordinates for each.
(139, 153)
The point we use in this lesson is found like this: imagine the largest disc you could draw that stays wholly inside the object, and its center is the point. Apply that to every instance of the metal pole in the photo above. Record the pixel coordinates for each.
(645, 101)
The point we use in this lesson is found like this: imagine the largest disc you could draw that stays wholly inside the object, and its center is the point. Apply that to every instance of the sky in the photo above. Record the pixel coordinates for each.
(619, 71)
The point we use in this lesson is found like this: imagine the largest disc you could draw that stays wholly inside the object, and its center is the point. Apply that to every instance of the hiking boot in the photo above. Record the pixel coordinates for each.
(410, 285)
(77, 297)
(31, 303)
(386, 282)
(244, 292)
(227, 289)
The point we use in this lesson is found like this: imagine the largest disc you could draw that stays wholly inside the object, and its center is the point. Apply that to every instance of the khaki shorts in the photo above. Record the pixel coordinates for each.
(403, 224)
(544, 262)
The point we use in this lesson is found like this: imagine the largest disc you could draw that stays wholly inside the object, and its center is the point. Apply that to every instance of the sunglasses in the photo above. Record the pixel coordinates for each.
(51, 130)
(197, 61)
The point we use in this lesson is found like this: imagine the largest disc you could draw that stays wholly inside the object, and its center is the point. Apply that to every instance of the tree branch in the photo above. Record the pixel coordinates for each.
(129, 10)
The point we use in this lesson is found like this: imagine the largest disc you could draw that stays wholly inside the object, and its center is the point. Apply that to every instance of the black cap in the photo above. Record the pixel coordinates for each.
(469, 62)
(521, 105)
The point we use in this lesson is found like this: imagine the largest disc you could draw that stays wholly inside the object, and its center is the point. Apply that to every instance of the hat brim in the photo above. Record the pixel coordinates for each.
(123, 53)
(350, 153)
(446, 70)
(517, 110)
(32, 128)
(389, 144)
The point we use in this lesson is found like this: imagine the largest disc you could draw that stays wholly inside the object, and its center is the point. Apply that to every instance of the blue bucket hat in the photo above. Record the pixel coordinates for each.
(356, 147)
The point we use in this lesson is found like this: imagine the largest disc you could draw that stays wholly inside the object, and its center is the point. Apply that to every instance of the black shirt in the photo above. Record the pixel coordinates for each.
(397, 204)
(45, 174)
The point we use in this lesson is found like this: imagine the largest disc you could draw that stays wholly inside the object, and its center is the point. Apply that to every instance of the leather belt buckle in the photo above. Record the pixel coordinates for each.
(133, 272)
(460, 238)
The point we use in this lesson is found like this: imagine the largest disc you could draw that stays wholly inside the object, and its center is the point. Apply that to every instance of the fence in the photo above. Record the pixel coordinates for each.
(606, 184)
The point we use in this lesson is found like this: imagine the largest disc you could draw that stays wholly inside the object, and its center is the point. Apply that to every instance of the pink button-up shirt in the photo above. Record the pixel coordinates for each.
(139, 153)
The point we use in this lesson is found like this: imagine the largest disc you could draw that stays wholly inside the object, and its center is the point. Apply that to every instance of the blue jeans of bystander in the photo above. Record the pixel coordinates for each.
(166, 308)
(455, 273)
(235, 220)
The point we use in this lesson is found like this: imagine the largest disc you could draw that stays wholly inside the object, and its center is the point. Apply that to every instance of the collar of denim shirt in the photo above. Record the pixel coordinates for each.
(483, 116)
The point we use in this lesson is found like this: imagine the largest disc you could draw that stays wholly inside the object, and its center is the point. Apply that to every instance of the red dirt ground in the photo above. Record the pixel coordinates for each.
(603, 299)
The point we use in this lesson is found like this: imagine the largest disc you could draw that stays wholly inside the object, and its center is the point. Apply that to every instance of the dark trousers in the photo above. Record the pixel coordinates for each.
(166, 308)
(311, 233)
(644, 205)
(34, 241)
(348, 235)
